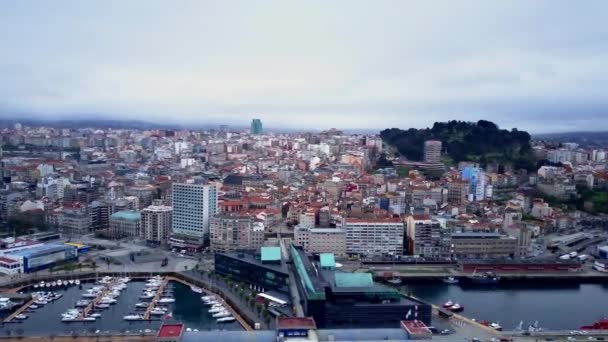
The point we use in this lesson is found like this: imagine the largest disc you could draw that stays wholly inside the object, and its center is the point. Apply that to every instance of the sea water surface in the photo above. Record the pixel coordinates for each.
(188, 309)
(555, 305)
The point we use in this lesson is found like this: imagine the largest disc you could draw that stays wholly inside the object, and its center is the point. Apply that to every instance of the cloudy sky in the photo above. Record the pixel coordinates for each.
(536, 65)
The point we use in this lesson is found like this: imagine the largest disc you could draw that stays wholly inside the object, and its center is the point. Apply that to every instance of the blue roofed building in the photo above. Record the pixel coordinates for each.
(45, 256)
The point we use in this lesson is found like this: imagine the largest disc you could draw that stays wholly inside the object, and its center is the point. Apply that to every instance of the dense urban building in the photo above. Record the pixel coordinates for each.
(194, 203)
(157, 222)
(256, 127)
(125, 224)
(342, 299)
(425, 237)
(432, 151)
(374, 237)
(230, 233)
(266, 270)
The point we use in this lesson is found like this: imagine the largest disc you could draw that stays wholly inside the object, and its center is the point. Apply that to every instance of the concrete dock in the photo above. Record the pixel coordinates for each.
(20, 310)
(157, 296)
(90, 307)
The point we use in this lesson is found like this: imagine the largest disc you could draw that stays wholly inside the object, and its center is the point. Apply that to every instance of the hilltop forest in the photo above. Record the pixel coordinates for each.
(481, 142)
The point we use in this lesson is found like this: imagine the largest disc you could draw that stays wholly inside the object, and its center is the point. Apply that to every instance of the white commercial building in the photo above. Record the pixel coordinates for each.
(327, 240)
(194, 203)
(374, 237)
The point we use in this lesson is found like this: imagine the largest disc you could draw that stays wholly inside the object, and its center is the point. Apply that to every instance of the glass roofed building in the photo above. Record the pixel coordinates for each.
(342, 299)
(265, 270)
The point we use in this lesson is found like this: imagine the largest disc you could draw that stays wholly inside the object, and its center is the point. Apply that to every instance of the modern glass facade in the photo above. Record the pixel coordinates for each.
(338, 299)
(246, 268)
(256, 127)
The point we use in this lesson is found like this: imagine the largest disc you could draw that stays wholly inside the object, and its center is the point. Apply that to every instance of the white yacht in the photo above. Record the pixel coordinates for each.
(147, 295)
(196, 289)
(221, 314)
(21, 317)
(77, 282)
(107, 300)
(216, 310)
(142, 305)
(82, 303)
(225, 319)
(158, 312)
(495, 326)
(166, 300)
(133, 317)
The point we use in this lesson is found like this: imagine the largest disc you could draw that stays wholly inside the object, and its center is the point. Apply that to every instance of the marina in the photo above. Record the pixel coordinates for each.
(115, 307)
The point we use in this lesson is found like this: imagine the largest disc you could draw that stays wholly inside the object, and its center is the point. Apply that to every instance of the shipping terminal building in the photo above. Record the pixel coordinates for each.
(333, 298)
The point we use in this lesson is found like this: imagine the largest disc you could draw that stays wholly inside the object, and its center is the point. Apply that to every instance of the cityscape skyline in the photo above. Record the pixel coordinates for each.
(532, 65)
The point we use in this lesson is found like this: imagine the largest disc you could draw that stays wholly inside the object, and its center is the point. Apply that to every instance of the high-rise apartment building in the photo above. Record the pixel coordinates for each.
(374, 237)
(424, 237)
(432, 151)
(477, 182)
(458, 191)
(194, 203)
(256, 127)
(156, 222)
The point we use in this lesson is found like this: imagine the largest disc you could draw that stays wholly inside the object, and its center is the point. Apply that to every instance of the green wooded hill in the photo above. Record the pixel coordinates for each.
(481, 142)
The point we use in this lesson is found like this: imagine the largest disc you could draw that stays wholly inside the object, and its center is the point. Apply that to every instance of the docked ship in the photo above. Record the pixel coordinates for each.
(486, 278)
(602, 324)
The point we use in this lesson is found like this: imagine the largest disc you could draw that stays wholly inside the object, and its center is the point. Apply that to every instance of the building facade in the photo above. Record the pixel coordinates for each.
(458, 191)
(256, 127)
(230, 233)
(432, 151)
(327, 240)
(483, 246)
(193, 206)
(374, 237)
(252, 269)
(125, 224)
(425, 237)
(157, 221)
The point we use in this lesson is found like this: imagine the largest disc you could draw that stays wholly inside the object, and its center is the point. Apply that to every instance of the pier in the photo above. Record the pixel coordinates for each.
(159, 293)
(20, 310)
(90, 307)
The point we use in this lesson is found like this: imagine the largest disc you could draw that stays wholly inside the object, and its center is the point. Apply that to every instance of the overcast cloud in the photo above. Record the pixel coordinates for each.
(537, 65)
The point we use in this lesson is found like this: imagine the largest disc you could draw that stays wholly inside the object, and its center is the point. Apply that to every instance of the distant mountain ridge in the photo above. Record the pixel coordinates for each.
(585, 139)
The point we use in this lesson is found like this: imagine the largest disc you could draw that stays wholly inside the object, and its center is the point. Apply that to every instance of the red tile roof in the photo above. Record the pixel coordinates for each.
(170, 330)
(296, 322)
(415, 327)
(7, 260)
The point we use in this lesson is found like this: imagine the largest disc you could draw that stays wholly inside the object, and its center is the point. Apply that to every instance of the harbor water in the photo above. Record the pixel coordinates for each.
(187, 308)
(555, 306)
